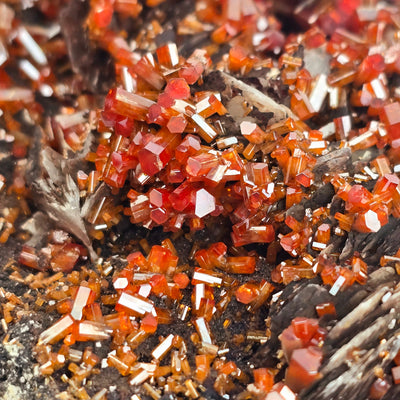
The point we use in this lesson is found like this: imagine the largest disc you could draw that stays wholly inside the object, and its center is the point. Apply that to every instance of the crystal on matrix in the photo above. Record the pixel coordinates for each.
(368, 221)
(378, 389)
(57, 331)
(91, 331)
(134, 304)
(396, 375)
(326, 309)
(247, 292)
(153, 157)
(303, 368)
(131, 105)
(84, 297)
(280, 391)
(189, 144)
(168, 55)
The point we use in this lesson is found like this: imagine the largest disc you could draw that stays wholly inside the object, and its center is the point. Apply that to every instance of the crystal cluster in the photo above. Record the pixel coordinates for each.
(249, 130)
(301, 344)
(61, 254)
(138, 299)
(164, 131)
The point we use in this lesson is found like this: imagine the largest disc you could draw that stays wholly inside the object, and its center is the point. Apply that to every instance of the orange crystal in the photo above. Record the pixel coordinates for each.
(396, 374)
(303, 368)
(83, 298)
(57, 331)
(378, 389)
(263, 378)
(326, 309)
(247, 292)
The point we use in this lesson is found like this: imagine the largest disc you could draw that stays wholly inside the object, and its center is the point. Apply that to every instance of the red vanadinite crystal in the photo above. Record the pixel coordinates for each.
(247, 292)
(304, 328)
(177, 89)
(252, 132)
(149, 323)
(397, 359)
(264, 379)
(302, 333)
(396, 374)
(326, 309)
(390, 116)
(370, 68)
(360, 270)
(378, 389)
(181, 279)
(287, 144)
(102, 14)
(177, 124)
(370, 221)
(358, 199)
(303, 368)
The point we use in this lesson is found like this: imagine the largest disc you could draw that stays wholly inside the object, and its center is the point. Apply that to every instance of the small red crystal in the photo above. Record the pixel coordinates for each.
(303, 368)
(153, 157)
(177, 124)
(246, 293)
(358, 199)
(370, 68)
(263, 378)
(396, 375)
(378, 389)
(177, 88)
(326, 309)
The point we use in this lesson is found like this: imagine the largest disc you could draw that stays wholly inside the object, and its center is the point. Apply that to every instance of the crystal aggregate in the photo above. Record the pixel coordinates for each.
(164, 146)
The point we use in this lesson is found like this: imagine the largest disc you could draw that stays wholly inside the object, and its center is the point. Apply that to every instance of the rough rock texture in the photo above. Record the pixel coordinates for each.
(19, 379)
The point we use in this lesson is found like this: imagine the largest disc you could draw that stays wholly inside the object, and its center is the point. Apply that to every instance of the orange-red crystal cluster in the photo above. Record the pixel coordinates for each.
(162, 141)
(160, 131)
(147, 294)
(301, 344)
(367, 211)
(61, 254)
(158, 143)
(190, 180)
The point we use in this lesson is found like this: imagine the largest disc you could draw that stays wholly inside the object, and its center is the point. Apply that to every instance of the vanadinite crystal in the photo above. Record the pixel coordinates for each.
(176, 174)
(378, 389)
